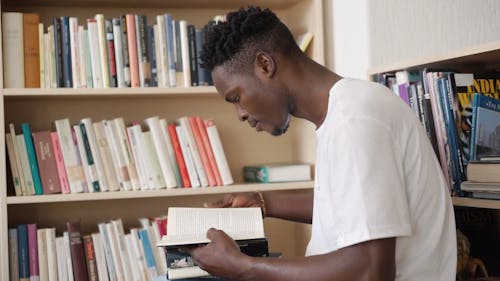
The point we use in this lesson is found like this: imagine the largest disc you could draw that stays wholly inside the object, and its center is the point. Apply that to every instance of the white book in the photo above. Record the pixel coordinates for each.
(95, 55)
(124, 147)
(145, 224)
(117, 155)
(108, 255)
(96, 155)
(103, 50)
(83, 157)
(51, 253)
(117, 35)
(13, 50)
(82, 56)
(73, 169)
(115, 251)
(162, 151)
(131, 257)
(156, 238)
(52, 57)
(106, 157)
(13, 164)
(87, 59)
(13, 255)
(41, 52)
(220, 156)
(186, 68)
(23, 155)
(162, 59)
(67, 252)
(159, 66)
(43, 266)
(46, 59)
(17, 158)
(188, 158)
(62, 270)
(74, 51)
(155, 177)
(122, 248)
(133, 133)
(200, 170)
(170, 149)
(138, 251)
(102, 271)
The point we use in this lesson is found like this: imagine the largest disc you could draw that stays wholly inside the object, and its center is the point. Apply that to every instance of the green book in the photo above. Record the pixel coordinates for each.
(277, 173)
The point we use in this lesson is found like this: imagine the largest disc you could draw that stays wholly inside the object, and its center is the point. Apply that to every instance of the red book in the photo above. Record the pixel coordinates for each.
(90, 257)
(178, 156)
(77, 251)
(132, 51)
(201, 149)
(46, 162)
(208, 150)
(61, 169)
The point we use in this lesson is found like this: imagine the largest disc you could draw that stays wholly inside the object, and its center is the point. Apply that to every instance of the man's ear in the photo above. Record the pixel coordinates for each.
(264, 64)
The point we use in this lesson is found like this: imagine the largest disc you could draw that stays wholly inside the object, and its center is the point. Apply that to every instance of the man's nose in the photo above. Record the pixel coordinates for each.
(242, 114)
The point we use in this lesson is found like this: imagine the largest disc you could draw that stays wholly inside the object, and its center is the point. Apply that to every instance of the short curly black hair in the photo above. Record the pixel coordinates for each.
(236, 41)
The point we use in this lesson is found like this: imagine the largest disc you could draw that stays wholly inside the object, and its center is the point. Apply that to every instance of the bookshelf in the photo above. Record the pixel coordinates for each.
(482, 57)
(40, 107)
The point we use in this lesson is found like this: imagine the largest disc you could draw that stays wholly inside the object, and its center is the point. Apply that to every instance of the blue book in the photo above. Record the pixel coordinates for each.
(204, 78)
(169, 30)
(148, 252)
(66, 53)
(30, 149)
(22, 250)
(485, 132)
(58, 52)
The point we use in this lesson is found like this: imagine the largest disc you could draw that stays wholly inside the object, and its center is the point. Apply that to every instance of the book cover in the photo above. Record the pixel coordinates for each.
(30, 149)
(16, 179)
(43, 263)
(50, 236)
(132, 51)
(61, 167)
(46, 162)
(77, 251)
(103, 50)
(33, 251)
(483, 171)
(22, 249)
(31, 50)
(485, 133)
(277, 173)
(13, 50)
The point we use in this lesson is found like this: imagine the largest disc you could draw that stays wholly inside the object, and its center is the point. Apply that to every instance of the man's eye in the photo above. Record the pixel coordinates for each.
(235, 99)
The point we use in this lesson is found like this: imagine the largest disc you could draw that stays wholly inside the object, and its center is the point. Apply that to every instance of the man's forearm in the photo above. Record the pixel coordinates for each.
(294, 206)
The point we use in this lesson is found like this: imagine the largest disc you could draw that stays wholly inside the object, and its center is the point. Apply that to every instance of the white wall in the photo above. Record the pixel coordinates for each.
(364, 33)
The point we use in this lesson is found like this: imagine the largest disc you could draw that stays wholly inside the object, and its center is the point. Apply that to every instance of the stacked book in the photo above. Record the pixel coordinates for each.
(460, 113)
(108, 155)
(483, 178)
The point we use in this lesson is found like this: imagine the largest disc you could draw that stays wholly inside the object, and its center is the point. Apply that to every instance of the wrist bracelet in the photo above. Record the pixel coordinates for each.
(262, 204)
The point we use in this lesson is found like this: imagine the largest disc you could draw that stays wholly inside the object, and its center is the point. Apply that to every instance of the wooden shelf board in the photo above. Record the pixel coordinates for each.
(157, 193)
(462, 59)
(14, 94)
(476, 203)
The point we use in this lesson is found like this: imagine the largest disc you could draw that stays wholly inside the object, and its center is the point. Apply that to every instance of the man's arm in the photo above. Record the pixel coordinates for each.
(372, 260)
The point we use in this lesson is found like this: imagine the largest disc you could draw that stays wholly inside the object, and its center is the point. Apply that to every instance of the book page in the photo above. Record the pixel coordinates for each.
(190, 225)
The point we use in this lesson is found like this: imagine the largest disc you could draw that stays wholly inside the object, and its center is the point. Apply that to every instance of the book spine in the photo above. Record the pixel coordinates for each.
(193, 65)
(31, 50)
(202, 72)
(42, 53)
(67, 252)
(117, 156)
(51, 57)
(13, 255)
(23, 154)
(43, 265)
(73, 169)
(23, 255)
(100, 259)
(256, 174)
(62, 271)
(171, 59)
(74, 52)
(106, 243)
(110, 46)
(61, 167)
(201, 149)
(50, 235)
(161, 49)
(84, 69)
(94, 177)
(132, 51)
(184, 122)
(33, 251)
(126, 61)
(208, 150)
(103, 50)
(13, 50)
(473, 138)
(66, 53)
(95, 55)
(25, 127)
(58, 52)
(218, 150)
(170, 149)
(115, 252)
(188, 158)
(133, 136)
(118, 47)
(142, 55)
(46, 162)
(124, 147)
(92, 146)
(136, 275)
(151, 50)
(106, 156)
(148, 252)
(90, 258)
(84, 160)
(178, 156)
(155, 177)
(186, 69)
(77, 251)
(119, 233)
(13, 164)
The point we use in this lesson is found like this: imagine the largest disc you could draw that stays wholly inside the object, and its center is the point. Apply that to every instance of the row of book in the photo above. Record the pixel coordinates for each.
(124, 51)
(108, 254)
(107, 155)
(459, 111)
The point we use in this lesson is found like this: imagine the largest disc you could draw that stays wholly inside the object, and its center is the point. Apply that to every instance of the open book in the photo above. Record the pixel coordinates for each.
(189, 226)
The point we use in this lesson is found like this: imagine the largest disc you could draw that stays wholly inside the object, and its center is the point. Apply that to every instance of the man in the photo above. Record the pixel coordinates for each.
(380, 209)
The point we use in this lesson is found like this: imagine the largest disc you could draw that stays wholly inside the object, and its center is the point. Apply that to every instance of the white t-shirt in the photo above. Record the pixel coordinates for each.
(376, 177)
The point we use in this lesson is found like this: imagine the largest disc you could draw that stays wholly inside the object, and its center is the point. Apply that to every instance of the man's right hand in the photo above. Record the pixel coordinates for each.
(237, 200)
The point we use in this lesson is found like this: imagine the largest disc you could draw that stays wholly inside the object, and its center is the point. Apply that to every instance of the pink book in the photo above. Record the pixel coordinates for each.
(208, 150)
(201, 149)
(33, 251)
(63, 177)
(46, 162)
(132, 51)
